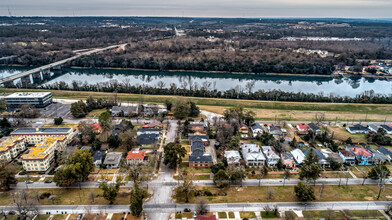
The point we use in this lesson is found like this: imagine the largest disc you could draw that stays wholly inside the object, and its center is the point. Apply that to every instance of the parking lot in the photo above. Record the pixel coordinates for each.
(56, 110)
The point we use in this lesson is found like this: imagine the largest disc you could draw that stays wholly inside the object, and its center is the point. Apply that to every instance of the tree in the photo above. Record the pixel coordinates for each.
(334, 164)
(168, 104)
(113, 141)
(234, 143)
(280, 165)
(309, 172)
(105, 120)
(24, 204)
(110, 191)
(181, 108)
(7, 176)
(187, 186)
(92, 196)
(128, 139)
(79, 109)
(270, 193)
(126, 125)
(137, 195)
(96, 145)
(249, 117)
(194, 111)
(263, 172)
(217, 167)
(221, 179)
(28, 111)
(58, 121)
(202, 207)
(380, 173)
(86, 132)
(304, 192)
(63, 177)
(238, 176)
(174, 153)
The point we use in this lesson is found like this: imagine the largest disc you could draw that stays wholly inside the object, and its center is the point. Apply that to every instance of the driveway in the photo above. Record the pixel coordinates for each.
(210, 149)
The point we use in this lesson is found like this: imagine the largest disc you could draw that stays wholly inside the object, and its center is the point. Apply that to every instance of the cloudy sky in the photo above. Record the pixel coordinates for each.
(201, 8)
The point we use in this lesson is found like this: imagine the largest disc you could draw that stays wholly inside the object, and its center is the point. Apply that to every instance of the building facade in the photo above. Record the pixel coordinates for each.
(11, 147)
(37, 135)
(37, 99)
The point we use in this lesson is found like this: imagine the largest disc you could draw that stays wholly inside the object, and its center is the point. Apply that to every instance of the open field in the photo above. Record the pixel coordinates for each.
(351, 214)
(70, 196)
(342, 134)
(286, 194)
(266, 110)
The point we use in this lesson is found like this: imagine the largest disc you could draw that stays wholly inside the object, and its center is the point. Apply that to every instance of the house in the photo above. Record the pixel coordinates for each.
(244, 130)
(329, 153)
(199, 159)
(288, 159)
(377, 157)
(387, 128)
(373, 127)
(206, 217)
(97, 129)
(298, 155)
(386, 152)
(233, 157)
(322, 160)
(256, 129)
(141, 131)
(314, 128)
(347, 157)
(362, 156)
(203, 138)
(147, 139)
(252, 155)
(124, 111)
(136, 157)
(270, 155)
(97, 158)
(85, 147)
(197, 128)
(275, 130)
(302, 127)
(357, 129)
(112, 160)
(157, 125)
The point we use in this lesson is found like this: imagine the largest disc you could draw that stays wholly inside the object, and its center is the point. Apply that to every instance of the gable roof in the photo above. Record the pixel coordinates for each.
(386, 127)
(206, 217)
(147, 139)
(153, 124)
(359, 151)
(347, 153)
(287, 155)
(313, 126)
(316, 153)
(256, 126)
(303, 126)
(136, 154)
(385, 151)
(98, 155)
(358, 127)
(298, 155)
(201, 158)
(197, 137)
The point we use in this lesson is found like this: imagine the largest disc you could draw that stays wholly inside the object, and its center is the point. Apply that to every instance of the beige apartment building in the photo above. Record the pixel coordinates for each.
(38, 135)
(40, 157)
(11, 147)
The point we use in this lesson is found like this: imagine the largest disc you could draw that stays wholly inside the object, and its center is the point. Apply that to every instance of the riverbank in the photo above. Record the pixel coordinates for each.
(333, 75)
(265, 110)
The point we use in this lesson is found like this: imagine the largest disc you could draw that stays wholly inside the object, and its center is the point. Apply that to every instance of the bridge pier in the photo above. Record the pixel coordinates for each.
(46, 75)
(26, 81)
(37, 77)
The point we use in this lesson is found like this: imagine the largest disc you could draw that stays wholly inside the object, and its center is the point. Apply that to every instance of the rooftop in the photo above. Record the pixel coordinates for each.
(136, 154)
(7, 143)
(28, 95)
(19, 131)
(39, 151)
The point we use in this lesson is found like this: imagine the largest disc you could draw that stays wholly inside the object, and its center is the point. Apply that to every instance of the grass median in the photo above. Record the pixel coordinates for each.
(266, 110)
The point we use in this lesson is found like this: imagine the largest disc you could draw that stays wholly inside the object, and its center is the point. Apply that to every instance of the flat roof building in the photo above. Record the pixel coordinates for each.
(37, 135)
(10, 148)
(37, 99)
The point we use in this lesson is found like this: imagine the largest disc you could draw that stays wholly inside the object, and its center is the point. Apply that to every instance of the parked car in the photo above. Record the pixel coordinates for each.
(11, 213)
(102, 180)
(194, 214)
(187, 210)
(79, 217)
(29, 182)
(48, 181)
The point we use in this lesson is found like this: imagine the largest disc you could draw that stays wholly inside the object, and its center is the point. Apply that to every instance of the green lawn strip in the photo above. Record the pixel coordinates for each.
(303, 106)
(59, 217)
(222, 214)
(25, 178)
(286, 194)
(363, 214)
(270, 214)
(290, 215)
(231, 215)
(331, 214)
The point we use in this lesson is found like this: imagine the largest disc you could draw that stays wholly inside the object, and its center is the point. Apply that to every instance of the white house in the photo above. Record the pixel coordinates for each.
(232, 157)
(271, 156)
(252, 155)
(256, 129)
(298, 155)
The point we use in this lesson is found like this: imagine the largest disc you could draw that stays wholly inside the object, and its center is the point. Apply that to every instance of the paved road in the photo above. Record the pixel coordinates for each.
(160, 211)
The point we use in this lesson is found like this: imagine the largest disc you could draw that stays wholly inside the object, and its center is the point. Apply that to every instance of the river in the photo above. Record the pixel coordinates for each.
(220, 81)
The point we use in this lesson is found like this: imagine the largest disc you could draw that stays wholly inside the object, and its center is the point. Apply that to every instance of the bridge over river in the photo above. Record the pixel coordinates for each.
(39, 72)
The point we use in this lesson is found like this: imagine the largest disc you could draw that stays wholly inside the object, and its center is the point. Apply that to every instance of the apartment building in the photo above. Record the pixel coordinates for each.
(11, 147)
(40, 157)
(38, 135)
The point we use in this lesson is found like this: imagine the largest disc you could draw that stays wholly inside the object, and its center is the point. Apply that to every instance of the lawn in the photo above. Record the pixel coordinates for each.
(351, 214)
(71, 196)
(222, 214)
(286, 194)
(118, 216)
(340, 133)
(247, 215)
(264, 109)
(22, 179)
(231, 215)
(95, 113)
(270, 214)
(59, 217)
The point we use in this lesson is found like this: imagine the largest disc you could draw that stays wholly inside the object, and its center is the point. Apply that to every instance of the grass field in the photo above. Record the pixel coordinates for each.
(352, 214)
(340, 133)
(286, 194)
(247, 215)
(266, 110)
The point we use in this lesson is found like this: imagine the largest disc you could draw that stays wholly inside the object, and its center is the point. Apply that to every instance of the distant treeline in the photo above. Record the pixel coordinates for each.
(235, 93)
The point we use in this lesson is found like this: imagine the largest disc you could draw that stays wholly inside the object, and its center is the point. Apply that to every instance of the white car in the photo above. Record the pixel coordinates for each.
(102, 180)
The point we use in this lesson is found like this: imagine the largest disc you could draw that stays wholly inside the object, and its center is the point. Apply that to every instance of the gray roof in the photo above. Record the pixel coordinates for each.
(377, 155)
(315, 152)
(313, 126)
(98, 155)
(85, 147)
(386, 127)
(358, 127)
(203, 158)
(146, 139)
(112, 158)
(197, 145)
(287, 155)
(374, 127)
(41, 130)
(385, 151)
(256, 126)
(197, 137)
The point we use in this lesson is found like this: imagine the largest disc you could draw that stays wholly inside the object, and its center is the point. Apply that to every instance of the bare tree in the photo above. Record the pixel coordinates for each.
(92, 196)
(160, 84)
(267, 209)
(322, 187)
(330, 214)
(364, 176)
(249, 86)
(270, 193)
(53, 198)
(202, 206)
(24, 204)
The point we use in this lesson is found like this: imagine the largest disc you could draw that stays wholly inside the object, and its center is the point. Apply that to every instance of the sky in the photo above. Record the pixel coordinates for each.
(200, 8)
